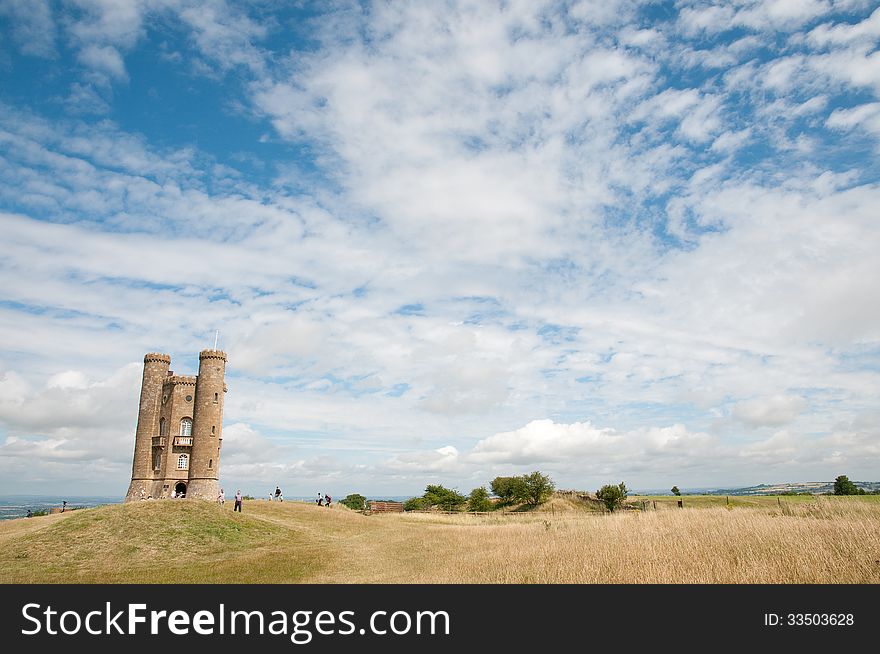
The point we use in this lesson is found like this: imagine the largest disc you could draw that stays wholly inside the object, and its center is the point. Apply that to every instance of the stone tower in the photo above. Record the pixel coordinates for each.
(179, 429)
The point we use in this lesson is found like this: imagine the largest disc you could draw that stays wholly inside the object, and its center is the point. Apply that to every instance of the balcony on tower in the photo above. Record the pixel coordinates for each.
(184, 441)
(158, 441)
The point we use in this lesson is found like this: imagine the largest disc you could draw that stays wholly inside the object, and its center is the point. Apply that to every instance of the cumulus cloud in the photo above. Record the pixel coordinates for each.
(660, 234)
(772, 411)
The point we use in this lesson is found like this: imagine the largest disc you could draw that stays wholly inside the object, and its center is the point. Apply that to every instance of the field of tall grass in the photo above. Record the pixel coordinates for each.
(811, 540)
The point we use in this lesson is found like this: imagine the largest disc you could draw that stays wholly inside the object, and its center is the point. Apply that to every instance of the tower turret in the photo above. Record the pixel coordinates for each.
(204, 471)
(155, 371)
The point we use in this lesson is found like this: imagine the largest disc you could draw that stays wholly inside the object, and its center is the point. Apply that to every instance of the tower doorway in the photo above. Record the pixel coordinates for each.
(180, 489)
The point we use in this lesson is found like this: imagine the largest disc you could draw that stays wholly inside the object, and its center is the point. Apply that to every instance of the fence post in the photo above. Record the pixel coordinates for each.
(680, 504)
(655, 504)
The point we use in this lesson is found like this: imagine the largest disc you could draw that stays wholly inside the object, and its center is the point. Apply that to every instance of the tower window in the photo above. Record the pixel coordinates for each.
(216, 398)
(186, 427)
(163, 427)
(213, 429)
(157, 462)
(210, 463)
(183, 462)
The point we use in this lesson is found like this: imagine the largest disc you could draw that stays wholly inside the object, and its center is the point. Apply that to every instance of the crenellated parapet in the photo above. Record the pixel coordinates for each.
(157, 357)
(212, 354)
(177, 380)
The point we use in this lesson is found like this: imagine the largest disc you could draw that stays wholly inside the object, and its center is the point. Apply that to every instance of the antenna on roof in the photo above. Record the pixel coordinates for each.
(216, 338)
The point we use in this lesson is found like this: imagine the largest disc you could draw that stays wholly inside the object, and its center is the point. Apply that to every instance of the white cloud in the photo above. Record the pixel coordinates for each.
(772, 411)
(865, 115)
(106, 59)
(503, 211)
(32, 26)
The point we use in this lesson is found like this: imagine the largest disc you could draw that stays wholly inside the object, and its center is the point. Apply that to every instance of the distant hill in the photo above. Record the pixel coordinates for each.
(816, 487)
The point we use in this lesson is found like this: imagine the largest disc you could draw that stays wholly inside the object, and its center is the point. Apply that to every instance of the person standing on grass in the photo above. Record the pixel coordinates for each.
(221, 498)
(237, 506)
(277, 492)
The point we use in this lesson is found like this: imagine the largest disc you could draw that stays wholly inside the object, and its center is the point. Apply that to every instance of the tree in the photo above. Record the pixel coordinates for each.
(446, 498)
(478, 500)
(537, 488)
(417, 504)
(843, 486)
(612, 496)
(510, 490)
(354, 501)
(675, 490)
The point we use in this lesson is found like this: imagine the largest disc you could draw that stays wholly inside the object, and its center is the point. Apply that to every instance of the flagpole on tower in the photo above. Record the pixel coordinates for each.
(216, 338)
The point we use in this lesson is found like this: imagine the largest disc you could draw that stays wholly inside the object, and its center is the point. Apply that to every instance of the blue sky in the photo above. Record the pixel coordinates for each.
(445, 241)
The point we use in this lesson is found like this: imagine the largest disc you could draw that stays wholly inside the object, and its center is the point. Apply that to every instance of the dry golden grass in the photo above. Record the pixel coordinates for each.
(824, 540)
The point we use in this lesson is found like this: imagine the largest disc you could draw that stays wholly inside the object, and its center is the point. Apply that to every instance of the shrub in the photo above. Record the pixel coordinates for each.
(532, 489)
(354, 501)
(612, 496)
(843, 486)
(537, 488)
(417, 504)
(478, 500)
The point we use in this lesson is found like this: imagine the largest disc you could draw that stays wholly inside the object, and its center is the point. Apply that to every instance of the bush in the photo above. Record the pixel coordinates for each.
(417, 504)
(843, 486)
(478, 500)
(509, 490)
(612, 496)
(538, 488)
(532, 489)
(436, 495)
(446, 498)
(354, 501)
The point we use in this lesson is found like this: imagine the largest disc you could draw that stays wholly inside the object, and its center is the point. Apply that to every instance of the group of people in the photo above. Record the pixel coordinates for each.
(276, 496)
(221, 499)
(30, 514)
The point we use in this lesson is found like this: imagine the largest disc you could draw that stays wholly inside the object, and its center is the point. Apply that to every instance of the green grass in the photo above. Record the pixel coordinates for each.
(145, 542)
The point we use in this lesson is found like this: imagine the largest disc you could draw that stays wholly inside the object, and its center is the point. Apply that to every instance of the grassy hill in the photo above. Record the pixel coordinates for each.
(793, 540)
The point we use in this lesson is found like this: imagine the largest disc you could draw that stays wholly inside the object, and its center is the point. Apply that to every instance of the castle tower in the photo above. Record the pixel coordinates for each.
(204, 471)
(179, 430)
(155, 371)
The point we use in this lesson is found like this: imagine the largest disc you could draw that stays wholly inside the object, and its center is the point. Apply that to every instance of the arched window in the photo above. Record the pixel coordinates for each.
(163, 427)
(216, 397)
(186, 427)
(213, 427)
(183, 462)
(210, 463)
(157, 461)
